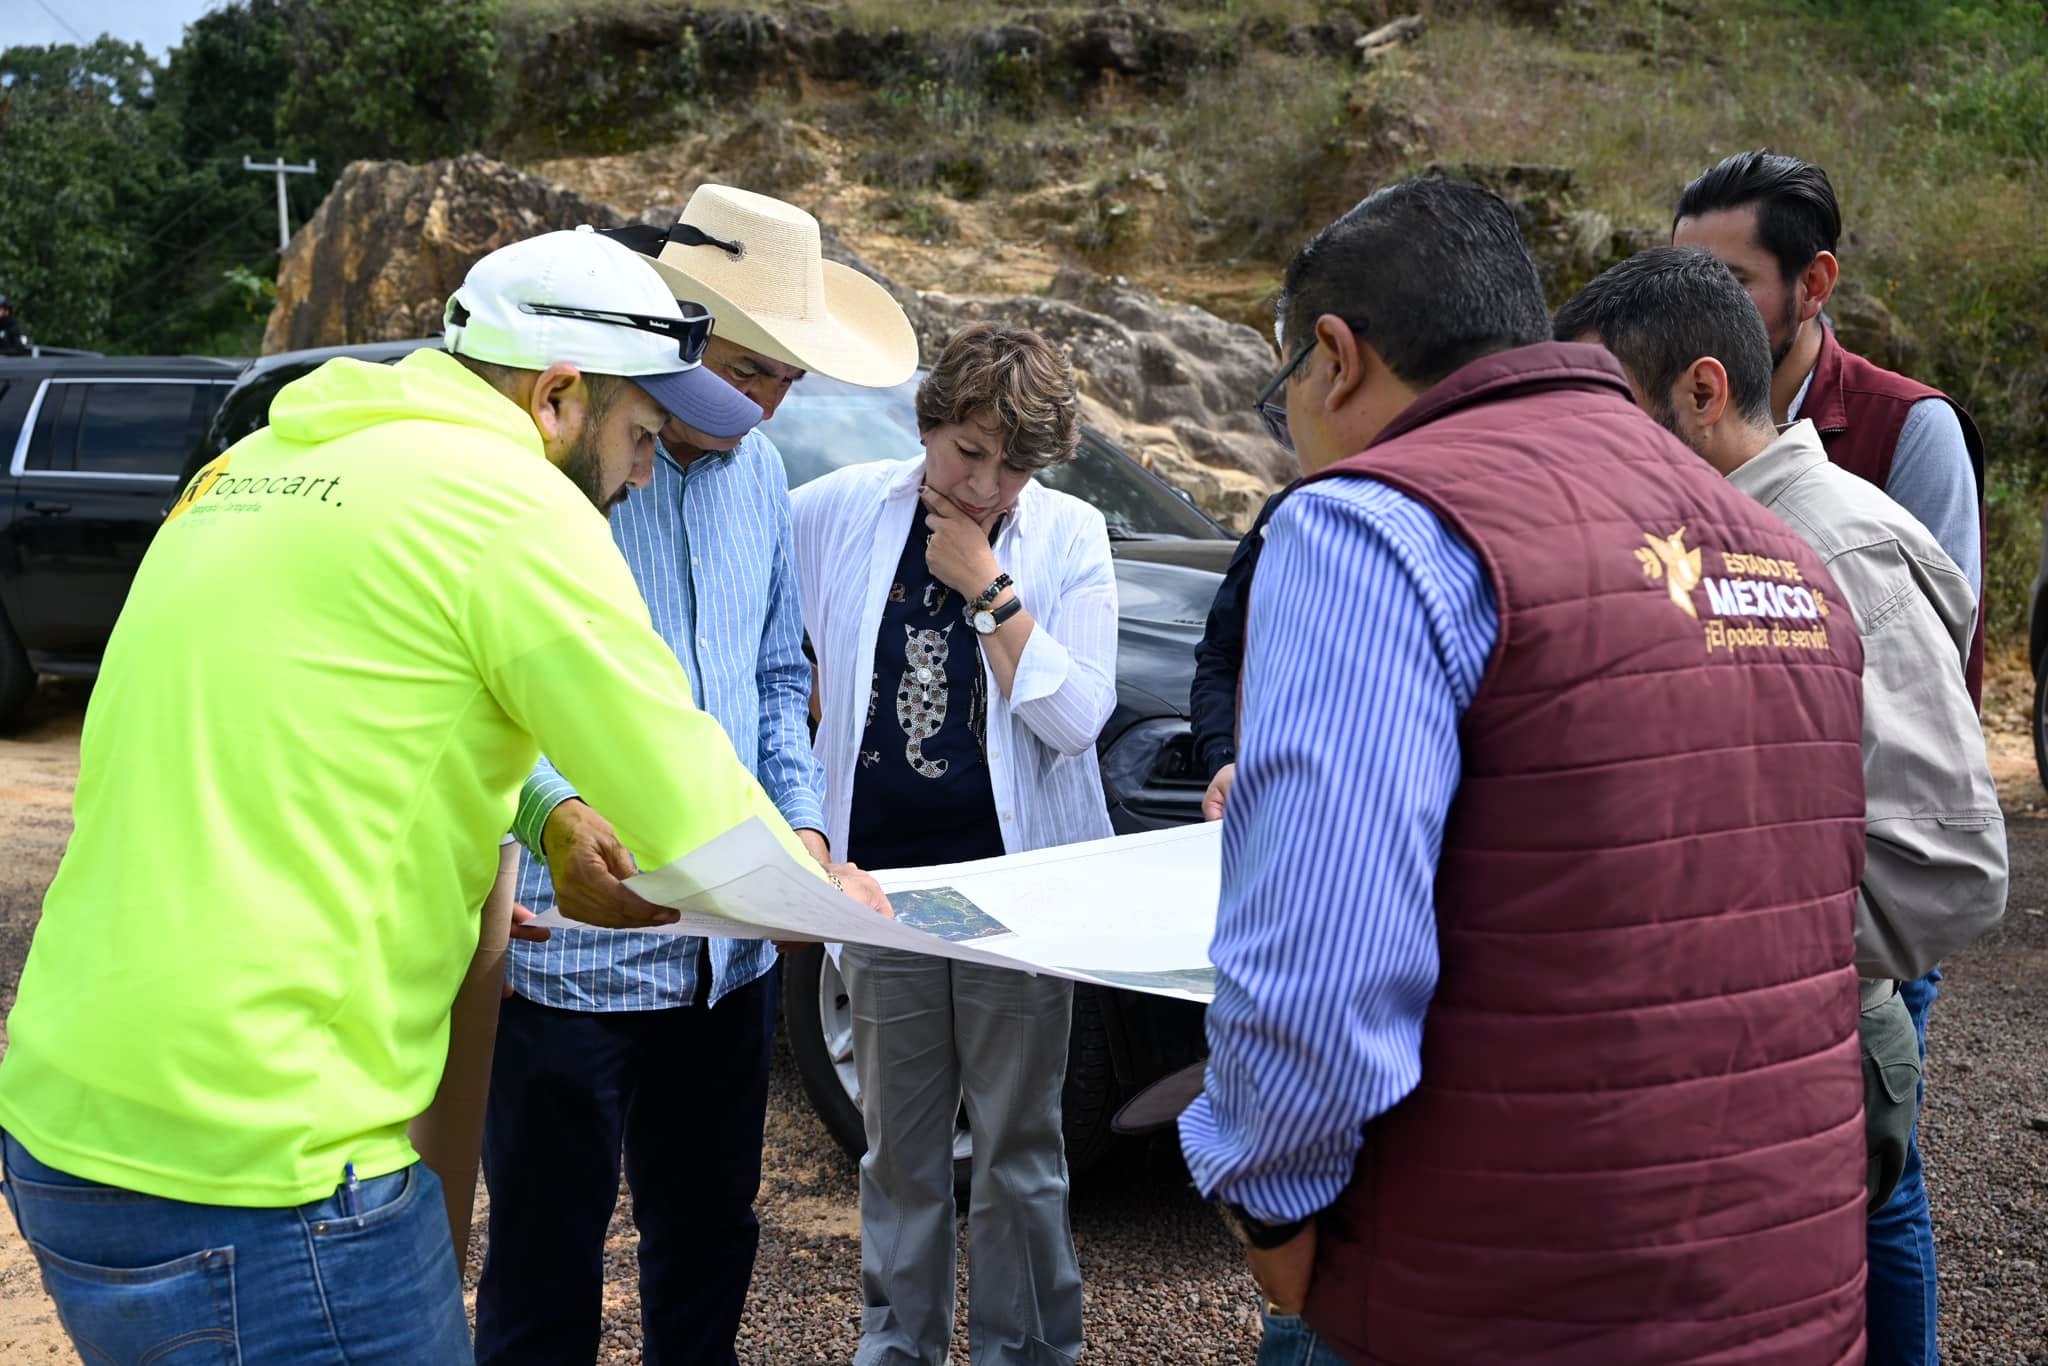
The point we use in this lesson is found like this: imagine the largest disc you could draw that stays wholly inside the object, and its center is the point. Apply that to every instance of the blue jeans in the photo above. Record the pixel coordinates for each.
(137, 1278)
(1902, 1299)
(1290, 1342)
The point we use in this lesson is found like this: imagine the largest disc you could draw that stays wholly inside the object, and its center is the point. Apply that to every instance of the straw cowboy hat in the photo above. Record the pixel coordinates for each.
(755, 263)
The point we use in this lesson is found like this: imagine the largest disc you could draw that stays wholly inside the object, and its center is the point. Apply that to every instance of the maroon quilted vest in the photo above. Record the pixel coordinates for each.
(1638, 1136)
(1860, 409)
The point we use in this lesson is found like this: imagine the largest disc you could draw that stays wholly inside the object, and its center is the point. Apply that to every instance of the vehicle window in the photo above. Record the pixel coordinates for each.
(1108, 481)
(54, 442)
(248, 408)
(141, 429)
(824, 425)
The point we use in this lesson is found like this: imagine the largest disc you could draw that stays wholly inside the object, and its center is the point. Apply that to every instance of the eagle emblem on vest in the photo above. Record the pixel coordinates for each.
(1667, 558)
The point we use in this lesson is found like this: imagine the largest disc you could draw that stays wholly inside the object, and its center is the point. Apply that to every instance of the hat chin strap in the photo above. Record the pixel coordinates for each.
(690, 236)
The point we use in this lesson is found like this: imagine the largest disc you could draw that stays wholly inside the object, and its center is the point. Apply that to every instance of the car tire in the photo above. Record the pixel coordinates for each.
(17, 679)
(2040, 719)
(819, 1023)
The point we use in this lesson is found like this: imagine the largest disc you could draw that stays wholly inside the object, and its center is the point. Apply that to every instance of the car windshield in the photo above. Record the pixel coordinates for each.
(825, 425)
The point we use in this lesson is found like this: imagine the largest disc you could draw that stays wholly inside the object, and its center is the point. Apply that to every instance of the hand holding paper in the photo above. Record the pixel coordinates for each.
(862, 888)
(589, 865)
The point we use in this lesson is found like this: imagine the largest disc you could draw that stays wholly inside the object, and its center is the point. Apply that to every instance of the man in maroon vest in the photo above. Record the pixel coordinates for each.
(1535, 1032)
(1774, 221)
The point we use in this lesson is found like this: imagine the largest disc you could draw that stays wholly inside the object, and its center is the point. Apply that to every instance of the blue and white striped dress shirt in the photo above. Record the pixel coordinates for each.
(1370, 628)
(711, 549)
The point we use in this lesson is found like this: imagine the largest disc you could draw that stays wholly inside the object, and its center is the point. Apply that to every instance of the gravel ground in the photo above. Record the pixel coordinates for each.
(1164, 1282)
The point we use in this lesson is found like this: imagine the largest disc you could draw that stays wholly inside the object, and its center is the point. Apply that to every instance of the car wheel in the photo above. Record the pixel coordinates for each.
(17, 679)
(2040, 726)
(819, 1018)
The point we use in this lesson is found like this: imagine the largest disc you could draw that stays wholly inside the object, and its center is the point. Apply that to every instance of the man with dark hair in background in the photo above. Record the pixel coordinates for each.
(1487, 939)
(1934, 880)
(1774, 221)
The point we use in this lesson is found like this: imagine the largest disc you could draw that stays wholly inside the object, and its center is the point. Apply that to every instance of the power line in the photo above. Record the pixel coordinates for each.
(182, 261)
(65, 22)
(165, 318)
(205, 196)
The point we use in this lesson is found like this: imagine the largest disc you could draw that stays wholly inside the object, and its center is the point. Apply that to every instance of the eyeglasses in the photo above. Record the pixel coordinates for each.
(691, 331)
(1272, 411)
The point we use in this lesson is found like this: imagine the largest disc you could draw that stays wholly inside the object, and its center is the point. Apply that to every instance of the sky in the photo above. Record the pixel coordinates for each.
(156, 24)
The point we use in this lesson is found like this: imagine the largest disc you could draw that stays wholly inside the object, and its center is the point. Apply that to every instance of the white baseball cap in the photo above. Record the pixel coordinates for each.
(585, 299)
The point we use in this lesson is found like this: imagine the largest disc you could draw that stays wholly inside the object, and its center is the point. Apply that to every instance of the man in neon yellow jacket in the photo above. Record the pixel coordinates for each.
(344, 651)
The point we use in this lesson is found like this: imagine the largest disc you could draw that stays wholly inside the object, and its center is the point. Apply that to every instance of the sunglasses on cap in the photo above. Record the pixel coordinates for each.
(1272, 411)
(691, 331)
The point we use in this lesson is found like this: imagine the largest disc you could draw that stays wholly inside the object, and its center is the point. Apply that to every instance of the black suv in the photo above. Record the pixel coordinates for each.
(94, 447)
(1169, 559)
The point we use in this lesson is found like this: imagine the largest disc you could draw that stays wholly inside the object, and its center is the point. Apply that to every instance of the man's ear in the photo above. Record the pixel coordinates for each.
(1353, 359)
(1817, 284)
(557, 403)
(1701, 393)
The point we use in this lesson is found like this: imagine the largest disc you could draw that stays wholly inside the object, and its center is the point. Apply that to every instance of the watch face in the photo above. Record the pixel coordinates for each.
(985, 622)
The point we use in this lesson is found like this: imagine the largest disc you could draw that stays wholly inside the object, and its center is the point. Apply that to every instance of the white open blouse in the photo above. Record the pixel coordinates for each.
(850, 528)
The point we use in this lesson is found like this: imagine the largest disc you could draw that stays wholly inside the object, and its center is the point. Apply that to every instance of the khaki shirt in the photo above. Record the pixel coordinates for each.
(1935, 877)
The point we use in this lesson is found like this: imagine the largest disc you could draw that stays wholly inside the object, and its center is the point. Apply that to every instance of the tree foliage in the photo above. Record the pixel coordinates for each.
(391, 78)
(127, 219)
(82, 160)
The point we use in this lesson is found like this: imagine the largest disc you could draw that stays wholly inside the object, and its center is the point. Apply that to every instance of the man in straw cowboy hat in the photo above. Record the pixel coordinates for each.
(645, 1051)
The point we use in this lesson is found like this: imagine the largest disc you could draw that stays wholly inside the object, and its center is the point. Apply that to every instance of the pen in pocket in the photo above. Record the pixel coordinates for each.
(351, 1191)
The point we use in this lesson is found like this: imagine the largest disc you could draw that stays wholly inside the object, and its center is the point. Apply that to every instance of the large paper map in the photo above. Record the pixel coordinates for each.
(1136, 911)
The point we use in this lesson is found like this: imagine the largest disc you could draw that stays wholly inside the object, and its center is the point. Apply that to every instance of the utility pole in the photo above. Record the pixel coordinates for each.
(284, 227)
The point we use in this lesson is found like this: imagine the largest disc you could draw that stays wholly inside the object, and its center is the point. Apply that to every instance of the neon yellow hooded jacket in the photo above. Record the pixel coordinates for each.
(343, 652)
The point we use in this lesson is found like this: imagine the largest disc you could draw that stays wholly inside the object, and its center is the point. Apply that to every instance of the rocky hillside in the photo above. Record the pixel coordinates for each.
(1100, 166)
(1169, 381)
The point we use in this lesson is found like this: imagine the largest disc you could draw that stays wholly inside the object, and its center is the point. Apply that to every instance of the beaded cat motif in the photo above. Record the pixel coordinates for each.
(921, 695)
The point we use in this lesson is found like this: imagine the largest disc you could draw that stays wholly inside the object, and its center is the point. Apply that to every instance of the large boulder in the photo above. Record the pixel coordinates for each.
(391, 242)
(1171, 383)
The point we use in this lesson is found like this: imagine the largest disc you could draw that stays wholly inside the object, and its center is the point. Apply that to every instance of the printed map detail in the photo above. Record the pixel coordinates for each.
(945, 913)
(1200, 981)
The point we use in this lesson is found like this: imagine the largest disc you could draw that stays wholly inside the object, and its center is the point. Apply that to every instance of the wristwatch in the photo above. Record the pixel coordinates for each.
(987, 620)
(1256, 1233)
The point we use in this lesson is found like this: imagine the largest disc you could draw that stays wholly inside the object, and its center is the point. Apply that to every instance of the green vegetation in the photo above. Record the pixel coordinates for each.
(917, 215)
(1190, 143)
(127, 222)
(1946, 214)
(391, 78)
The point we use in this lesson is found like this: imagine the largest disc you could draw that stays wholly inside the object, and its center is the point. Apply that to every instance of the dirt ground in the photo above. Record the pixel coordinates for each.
(1164, 1284)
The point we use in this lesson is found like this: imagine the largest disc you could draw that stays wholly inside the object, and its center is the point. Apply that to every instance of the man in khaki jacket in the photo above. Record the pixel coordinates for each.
(1934, 880)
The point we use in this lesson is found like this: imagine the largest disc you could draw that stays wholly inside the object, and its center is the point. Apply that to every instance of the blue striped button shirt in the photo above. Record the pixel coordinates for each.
(710, 548)
(1370, 628)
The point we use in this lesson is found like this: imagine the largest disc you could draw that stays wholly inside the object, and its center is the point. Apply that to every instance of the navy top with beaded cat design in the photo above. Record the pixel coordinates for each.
(921, 790)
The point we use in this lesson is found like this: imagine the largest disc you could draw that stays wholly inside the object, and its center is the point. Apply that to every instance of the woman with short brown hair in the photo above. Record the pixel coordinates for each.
(964, 618)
